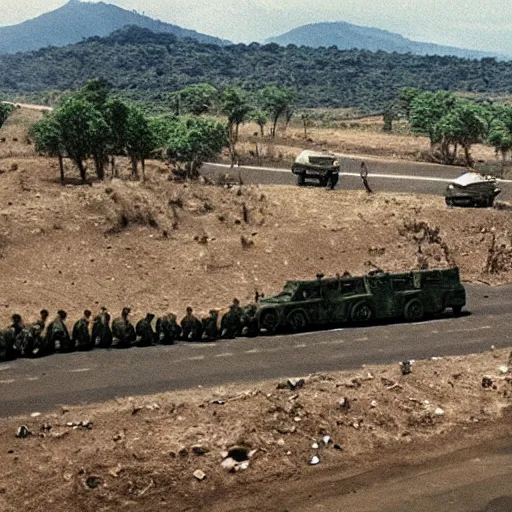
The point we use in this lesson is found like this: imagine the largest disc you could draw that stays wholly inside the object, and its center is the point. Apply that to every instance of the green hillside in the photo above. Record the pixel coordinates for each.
(146, 65)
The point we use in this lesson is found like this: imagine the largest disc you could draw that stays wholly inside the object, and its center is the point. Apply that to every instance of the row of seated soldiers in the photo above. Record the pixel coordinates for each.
(42, 338)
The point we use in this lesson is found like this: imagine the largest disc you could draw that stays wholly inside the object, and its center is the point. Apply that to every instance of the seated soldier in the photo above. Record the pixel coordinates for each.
(167, 329)
(81, 334)
(210, 331)
(101, 332)
(57, 335)
(123, 332)
(232, 321)
(14, 336)
(31, 339)
(144, 331)
(192, 330)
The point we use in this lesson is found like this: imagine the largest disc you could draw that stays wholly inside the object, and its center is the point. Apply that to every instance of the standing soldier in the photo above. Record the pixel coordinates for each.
(101, 332)
(81, 334)
(144, 331)
(123, 332)
(58, 333)
(167, 329)
(192, 329)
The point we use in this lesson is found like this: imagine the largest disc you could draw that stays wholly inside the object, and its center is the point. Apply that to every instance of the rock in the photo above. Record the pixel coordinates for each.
(326, 440)
(23, 432)
(92, 482)
(439, 411)
(67, 477)
(504, 369)
(373, 404)
(86, 424)
(229, 464)
(46, 427)
(252, 453)
(244, 465)
(405, 367)
(218, 402)
(344, 404)
(313, 461)
(115, 472)
(238, 453)
(35, 415)
(291, 384)
(199, 450)
(280, 442)
(487, 382)
(315, 446)
(199, 475)
(337, 447)
(183, 452)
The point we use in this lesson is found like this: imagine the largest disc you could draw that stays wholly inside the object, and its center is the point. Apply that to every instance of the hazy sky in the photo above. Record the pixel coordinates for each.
(480, 24)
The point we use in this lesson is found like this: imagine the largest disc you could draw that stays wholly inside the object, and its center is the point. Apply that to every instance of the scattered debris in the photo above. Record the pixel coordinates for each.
(439, 411)
(46, 427)
(344, 404)
(35, 415)
(229, 464)
(116, 471)
(373, 404)
(315, 446)
(23, 432)
(326, 440)
(92, 482)
(504, 369)
(487, 382)
(199, 475)
(218, 402)
(313, 461)
(238, 453)
(199, 450)
(291, 384)
(405, 367)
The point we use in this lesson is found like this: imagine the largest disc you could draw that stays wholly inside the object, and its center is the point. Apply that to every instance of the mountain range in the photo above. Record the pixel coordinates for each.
(77, 20)
(346, 36)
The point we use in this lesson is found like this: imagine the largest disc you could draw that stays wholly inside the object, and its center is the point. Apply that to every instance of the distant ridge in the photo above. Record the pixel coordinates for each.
(347, 36)
(77, 20)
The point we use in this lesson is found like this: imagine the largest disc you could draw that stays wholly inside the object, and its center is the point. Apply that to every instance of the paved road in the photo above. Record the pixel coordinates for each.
(384, 175)
(40, 384)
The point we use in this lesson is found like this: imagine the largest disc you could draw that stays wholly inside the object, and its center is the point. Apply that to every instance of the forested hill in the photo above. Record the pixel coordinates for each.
(152, 65)
(77, 20)
(346, 36)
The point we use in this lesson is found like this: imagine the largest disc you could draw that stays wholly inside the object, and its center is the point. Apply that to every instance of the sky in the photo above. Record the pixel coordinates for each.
(479, 24)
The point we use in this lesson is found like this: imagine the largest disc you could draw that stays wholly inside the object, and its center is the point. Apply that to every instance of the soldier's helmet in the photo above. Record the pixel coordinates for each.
(62, 314)
(44, 314)
(16, 319)
(87, 313)
(125, 312)
(189, 310)
(149, 317)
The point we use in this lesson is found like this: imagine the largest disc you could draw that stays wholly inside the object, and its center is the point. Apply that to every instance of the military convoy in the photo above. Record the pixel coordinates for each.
(360, 300)
(323, 168)
(300, 306)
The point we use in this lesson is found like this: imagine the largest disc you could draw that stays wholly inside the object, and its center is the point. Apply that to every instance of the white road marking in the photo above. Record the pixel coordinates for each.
(253, 351)
(302, 345)
(196, 358)
(10, 381)
(355, 174)
(472, 329)
(365, 338)
(224, 354)
(6, 367)
(79, 370)
(32, 378)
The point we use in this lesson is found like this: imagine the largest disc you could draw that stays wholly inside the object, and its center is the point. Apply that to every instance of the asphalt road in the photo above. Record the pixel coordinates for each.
(41, 384)
(383, 175)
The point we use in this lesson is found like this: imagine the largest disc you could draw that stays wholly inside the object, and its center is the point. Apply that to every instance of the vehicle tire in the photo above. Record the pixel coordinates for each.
(333, 180)
(301, 180)
(297, 321)
(3, 350)
(414, 311)
(449, 202)
(457, 310)
(323, 181)
(269, 321)
(362, 312)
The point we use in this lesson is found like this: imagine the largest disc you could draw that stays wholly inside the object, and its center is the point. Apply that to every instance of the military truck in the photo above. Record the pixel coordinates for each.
(359, 300)
(472, 189)
(323, 168)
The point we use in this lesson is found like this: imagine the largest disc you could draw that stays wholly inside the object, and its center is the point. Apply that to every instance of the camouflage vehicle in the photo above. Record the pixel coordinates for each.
(321, 167)
(472, 189)
(360, 300)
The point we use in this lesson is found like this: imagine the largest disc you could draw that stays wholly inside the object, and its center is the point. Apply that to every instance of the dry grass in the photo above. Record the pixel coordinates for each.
(14, 131)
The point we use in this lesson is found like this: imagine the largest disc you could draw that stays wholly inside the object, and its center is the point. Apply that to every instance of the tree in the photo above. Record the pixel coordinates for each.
(195, 99)
(237, 107)
(83, 131)
(5, 111)
(276, 101)
(116, 114)
(260, 118)
(192, 141)
(95, 91)
(47, 137)
(463, 126)
(140, 140)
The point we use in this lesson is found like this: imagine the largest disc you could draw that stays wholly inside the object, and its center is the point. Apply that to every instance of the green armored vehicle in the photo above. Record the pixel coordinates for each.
(377, 296)
(324, 168)
(472, 189)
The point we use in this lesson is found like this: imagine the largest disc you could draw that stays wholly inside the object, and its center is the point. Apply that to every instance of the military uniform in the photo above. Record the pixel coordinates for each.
(82, 338)
(123, 333)
(58, 335)
(232, 322)
(167, 330)
(210, 331)
(144, 331)
(101, 332)
(191, 326)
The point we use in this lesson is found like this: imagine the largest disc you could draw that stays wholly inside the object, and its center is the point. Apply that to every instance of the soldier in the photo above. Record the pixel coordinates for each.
(14, 336)
(210, 330)
(31, 340)
(58, 333)
(192, 329)
(144, 331)
(81, 334)
(232, 321)
(123, 332)
(167, 329)
(101, 332)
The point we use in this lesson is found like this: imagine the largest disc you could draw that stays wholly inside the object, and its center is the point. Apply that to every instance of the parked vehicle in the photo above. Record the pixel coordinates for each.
(472, 189)
(323, 168)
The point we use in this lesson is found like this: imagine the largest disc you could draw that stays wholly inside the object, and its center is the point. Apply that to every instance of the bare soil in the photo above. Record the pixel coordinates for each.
(141, 453)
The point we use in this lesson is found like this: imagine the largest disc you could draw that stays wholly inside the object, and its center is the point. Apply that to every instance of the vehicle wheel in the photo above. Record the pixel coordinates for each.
(333, 180)
(362, 312)
(301, 180)
(3, 351)
(323, 181)
(449, 202)
(269, 321)
(413, 311)
(297, 321)
(457, 310)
